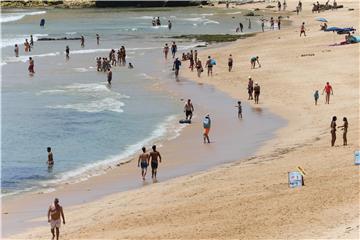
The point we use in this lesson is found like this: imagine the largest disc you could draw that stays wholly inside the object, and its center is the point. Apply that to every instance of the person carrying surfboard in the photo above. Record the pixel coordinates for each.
(207, 125)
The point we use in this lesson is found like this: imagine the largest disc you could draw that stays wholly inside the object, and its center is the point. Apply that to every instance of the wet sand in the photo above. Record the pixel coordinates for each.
(250, 199)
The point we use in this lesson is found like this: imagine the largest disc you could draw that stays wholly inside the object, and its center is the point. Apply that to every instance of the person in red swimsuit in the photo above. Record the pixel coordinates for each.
(328, 89)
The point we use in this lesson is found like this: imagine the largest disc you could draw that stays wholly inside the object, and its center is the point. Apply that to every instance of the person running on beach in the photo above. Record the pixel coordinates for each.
(166, 50)
(255, 60)
(344, 127)
(169, 25)
(302, 29)
(16, 50)
(173, 49)
(199, 67)
(97, 39)
(333, 130)
(316, 96)
(256, 93)
(82, 41)
(239, 109)
(230, 62)
(263, 24)
(31, 40)
(176, 68)
(50, 161)
(109, 76)
(250, 88)
(143, 162)
(27, 46)
(31, 66)
(209, 65)
(67, 52)
(241, 27)
(55, 213)
(328, 89)
(155, 158)
(188, 109)
(207, 125)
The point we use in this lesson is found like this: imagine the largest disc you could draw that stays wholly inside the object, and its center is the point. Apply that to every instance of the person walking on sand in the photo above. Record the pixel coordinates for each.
(253, 62)
(207, 125)
(256, 93)
(16, 50)
(176, 68)
(31, 66)
(166, 51)
(97, 39)
(344, 127)
(316, 96)
(67, 52)
(241, 27)
(173, 49)
(188, 109)
(82, 41)
(55, 213)
(333, 130)
(250, 88)
(209, 65)
(230, 62)
(302, 29)
(109, 76)
(328, 89)
(239, 109)
(263, 24)
(143, 162)
(272, 23)
(50, 161)
(155, 158)
(199, 68)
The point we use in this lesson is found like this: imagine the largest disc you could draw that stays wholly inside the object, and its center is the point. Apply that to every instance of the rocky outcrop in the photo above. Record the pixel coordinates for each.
(58, 39)
(47, 3)
(148, 3)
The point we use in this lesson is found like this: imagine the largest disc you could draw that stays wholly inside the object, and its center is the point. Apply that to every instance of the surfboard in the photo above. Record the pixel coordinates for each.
(185, 121)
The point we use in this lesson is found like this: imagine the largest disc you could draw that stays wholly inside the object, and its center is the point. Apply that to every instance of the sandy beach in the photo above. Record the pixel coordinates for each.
(250, 199)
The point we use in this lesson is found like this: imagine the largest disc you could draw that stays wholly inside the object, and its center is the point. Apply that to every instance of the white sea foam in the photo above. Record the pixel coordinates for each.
(71, 33)
(26, 58)
(18, 39)
(211, 21)
(11, 17)
(233, 13)
(186, 47)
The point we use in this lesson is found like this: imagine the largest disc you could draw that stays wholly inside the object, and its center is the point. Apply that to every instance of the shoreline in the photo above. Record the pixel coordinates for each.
(264, 174)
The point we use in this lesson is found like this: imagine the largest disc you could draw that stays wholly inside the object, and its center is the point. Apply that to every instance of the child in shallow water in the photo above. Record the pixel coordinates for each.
(316, 96)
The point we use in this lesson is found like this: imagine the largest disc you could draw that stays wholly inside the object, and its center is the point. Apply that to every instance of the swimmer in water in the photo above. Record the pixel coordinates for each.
(130, 66)
(50, 160)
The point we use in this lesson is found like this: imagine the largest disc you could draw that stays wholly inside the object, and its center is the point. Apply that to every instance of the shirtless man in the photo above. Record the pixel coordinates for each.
(230, 62)
(155, 158)
(31, 66)
(302, 29)
(143, 162)
(16, 50)
(328, 89)
(55, 213)
(166, 50)
(176, 68)
(209, 66)
(333, 130)
(109, 76)
(82, 41)
(50, 160)
(173, 49)
(188, 109)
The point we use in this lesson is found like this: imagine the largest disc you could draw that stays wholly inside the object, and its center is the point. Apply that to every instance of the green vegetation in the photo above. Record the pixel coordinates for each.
(217, 38)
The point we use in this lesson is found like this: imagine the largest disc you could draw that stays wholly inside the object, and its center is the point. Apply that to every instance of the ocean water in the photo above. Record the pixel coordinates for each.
(68, 106)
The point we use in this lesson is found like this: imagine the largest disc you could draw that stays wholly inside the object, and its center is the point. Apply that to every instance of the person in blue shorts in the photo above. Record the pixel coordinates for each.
(143, 162)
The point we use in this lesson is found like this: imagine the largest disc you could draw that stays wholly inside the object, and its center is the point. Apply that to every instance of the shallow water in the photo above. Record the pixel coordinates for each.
(67, 104)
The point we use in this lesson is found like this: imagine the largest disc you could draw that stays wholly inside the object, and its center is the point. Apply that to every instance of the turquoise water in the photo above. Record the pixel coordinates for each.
(68, 106)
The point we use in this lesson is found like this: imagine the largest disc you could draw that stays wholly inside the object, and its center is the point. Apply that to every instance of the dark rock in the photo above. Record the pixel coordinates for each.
(58, 39)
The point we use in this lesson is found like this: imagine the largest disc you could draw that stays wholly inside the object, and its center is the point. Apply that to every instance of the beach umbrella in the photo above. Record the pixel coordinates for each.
(321, 19)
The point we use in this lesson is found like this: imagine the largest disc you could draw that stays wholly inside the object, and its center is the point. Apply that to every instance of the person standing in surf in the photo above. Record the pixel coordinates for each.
(166, 51)
(169, 25)
(82, 41)
(67, 51)
(31, 40)
(173, 49)
(143, 161)
(31, 66)
(329, 90)
(344, 127)
(155, 158)
(27, 46)
(206, 126)
(176, 68)
(55, 213)
(239, 109)
(241, 27)
(109, 76)
(16, 50)
(199, 67)
(97, 39)
(188, 109)
(50, 161)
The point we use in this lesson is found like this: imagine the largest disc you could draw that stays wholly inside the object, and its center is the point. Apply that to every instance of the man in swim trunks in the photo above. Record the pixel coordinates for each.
(302, 29)
(176, 68)
(50, 160)
(333, 130)
(109, 76)
(207, 125)
(188, 109)
(241, 27)
(166, 50)
(143, 162)
(328, 89)
(209, 65)
(256, 93)
(31, 66)
(239, 109)
(250, 88)
(155, 158)
(255, 60)
(55, 213)
(173, 49)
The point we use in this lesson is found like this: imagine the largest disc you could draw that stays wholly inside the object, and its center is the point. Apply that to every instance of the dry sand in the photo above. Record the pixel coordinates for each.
(250, 199)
